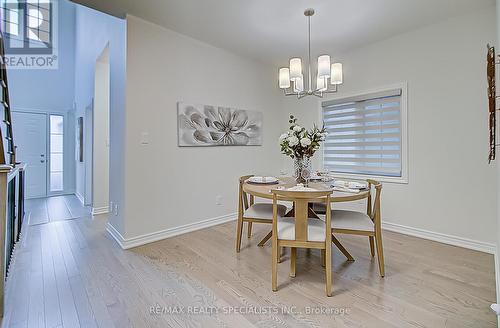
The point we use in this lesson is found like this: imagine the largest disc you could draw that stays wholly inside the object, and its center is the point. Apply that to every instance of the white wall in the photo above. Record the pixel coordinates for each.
(94, 31)
(451, 187)
(88, 153)
(101, 134)
(168, 186)
(49, 89)
(497, 261)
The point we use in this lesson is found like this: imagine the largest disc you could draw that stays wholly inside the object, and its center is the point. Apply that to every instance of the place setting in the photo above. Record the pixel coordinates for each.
(260, 180)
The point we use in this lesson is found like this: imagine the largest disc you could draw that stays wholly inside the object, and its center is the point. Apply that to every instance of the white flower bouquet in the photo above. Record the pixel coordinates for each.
(299, 143)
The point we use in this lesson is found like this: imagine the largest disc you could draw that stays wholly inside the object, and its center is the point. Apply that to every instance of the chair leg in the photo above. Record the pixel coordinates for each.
(275, 265)
(239, 232)
(328, 269)
(372, 245)
(249, 229)
(380, 252)
(293, 261)
(281, 251)
(322, 258)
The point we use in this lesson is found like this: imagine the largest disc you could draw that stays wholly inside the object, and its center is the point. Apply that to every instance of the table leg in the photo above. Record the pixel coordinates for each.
(342, 248)
(265, 239)
(335, 241)
(291, 213)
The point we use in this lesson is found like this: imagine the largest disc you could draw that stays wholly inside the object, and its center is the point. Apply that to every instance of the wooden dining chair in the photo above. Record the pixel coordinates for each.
(369, 224)
(251, 212)
(301, 231)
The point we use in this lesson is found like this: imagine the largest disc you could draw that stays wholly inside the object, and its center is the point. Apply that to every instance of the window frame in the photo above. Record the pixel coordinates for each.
(403, 179)
(50, 152)
(23, 21)
(6, 20)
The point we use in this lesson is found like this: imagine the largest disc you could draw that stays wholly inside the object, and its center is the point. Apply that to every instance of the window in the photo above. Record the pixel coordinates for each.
(28, 20)
(367, 135)
(11, 20)
(56, 152)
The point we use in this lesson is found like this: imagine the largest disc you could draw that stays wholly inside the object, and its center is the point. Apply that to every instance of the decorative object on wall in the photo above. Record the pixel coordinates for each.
(490, 73)
(79, 140)
(301, 144)
(206, 125)
(329, 76)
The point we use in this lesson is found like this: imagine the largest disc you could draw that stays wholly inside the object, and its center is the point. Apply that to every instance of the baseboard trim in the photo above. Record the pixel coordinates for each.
(80, 198)
(410, 231)
(441, 238)
(167, 233)
(100, 210)
(117, 236)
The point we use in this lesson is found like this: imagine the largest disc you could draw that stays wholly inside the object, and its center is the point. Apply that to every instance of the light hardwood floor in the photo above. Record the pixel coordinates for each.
(71, 273)
(44, 210)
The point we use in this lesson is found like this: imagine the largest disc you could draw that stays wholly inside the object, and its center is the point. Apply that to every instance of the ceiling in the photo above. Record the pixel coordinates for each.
(274, 30)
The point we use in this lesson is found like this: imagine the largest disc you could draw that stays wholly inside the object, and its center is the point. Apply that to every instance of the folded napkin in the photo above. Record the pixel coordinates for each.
(349, 184)
(300, 187)
(343, 189)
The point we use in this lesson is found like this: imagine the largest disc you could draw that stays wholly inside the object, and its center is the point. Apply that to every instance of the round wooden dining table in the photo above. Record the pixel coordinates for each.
(264, 191)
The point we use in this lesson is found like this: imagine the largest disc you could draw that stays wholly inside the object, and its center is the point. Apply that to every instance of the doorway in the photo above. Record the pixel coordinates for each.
(30, 131)
(40, 143)
(97, 138)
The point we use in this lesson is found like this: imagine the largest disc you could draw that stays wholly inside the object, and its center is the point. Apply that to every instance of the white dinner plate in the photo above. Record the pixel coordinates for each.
(263, 180)
(315, 178)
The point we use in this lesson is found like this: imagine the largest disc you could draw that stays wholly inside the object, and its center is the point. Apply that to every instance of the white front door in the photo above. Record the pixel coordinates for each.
(30, 137)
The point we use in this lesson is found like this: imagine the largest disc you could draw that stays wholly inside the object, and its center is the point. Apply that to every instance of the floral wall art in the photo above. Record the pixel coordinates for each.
(206, 125)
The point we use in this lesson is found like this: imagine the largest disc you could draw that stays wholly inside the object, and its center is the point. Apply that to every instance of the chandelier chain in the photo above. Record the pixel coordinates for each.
(309, 55)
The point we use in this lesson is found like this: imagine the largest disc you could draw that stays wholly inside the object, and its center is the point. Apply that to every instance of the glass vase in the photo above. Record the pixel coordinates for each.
(302, 168)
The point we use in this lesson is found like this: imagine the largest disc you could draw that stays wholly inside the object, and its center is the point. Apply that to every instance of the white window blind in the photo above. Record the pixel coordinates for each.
(364, 134)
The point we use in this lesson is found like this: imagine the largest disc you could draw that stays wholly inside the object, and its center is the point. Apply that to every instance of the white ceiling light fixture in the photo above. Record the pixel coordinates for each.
(329, 75)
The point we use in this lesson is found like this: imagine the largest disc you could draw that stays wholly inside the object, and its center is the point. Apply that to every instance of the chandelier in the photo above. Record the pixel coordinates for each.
(329, 75)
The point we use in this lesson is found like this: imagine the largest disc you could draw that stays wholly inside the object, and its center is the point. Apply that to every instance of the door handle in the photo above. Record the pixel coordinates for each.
(42, 161)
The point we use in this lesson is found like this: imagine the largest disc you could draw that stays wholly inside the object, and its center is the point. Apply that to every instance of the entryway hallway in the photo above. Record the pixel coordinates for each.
(56, 208)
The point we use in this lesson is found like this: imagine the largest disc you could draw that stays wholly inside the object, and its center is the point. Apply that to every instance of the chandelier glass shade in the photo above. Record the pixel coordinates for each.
(329, 74)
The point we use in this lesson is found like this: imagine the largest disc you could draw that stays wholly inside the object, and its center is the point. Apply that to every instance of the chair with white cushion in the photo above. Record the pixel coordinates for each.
(301, 231)
(369, 224)
(251, 212)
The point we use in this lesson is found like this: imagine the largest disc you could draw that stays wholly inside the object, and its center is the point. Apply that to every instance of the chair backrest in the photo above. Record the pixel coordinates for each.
(244, 200)
(373, 211)
(301, 200)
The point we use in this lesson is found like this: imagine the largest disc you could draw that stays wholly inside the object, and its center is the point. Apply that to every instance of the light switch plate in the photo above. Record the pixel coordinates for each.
(145, 138)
